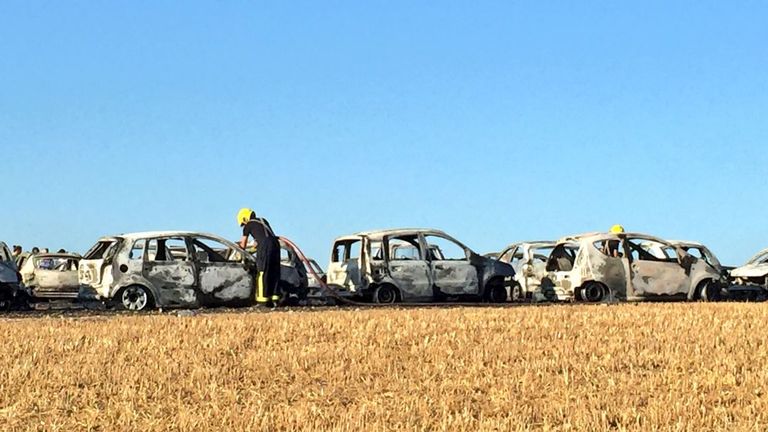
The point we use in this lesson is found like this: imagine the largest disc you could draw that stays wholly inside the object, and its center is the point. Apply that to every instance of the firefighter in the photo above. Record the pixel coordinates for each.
(611, 247)
(267, 255)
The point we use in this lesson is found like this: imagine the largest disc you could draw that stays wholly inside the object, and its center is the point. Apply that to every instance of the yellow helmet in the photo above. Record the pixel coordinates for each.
(244, 215)
(617, 229)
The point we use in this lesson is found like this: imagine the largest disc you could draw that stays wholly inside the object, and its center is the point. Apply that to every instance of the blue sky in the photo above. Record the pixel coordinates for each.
(495, 121)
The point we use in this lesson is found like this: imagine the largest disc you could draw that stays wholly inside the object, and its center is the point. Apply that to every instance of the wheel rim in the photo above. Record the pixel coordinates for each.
(386, 295)
(134, 298)
(517, 293)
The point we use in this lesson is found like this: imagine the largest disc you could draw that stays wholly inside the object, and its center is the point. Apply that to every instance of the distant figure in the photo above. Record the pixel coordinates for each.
(61, 251)
(45, 250)
(16, 251)
(35, 250)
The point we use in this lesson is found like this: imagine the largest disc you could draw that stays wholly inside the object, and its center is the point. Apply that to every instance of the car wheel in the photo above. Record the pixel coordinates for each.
(709, 291)
(497, 292)
(6, 300)
(593, 292)
(385, 294)
(134, 298)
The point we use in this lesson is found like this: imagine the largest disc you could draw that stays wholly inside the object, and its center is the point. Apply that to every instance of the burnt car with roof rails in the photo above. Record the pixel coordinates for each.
(414, 265)
(139, 271)
(597, 267)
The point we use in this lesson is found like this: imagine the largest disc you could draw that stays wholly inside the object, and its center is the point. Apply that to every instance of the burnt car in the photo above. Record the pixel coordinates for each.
(315, 274)
(12, 291)
(51, 276)
(753, 275)
(629, 267)
(167, 269)
(529, 260)
(414, 265)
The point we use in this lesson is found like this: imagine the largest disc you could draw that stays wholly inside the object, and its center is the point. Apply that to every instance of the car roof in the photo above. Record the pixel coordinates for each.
(390, 232)
(153, 234)
(534, 243)
(686, 243)
(57, 255)
(597, 236)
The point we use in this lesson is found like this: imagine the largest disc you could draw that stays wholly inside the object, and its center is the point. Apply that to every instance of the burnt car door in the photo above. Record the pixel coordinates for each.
(170, 270)
(223, 272)
(655, 269)
(408, 267)
(347, 266)
(452, 271)
(97, 269)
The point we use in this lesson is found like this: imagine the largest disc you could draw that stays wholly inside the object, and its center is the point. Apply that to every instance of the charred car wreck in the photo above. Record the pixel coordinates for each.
(627, 266)
(51, 276)
(13, 295)
(753, 276)
(167, 269)
(529, 260)
(414, 265)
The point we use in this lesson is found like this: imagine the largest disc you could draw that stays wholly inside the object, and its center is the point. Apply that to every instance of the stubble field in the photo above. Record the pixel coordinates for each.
(637, 367)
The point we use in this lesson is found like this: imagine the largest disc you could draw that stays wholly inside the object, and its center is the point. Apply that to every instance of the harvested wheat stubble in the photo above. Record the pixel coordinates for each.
(651, 366)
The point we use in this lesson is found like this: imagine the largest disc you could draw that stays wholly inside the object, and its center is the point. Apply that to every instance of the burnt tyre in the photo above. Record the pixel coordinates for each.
(496, 292)
(385, 294)
(709, 291)
(134, 298)
(593, 292)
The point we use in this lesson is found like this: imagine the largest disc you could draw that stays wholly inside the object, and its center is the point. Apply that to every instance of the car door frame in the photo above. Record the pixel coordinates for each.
(420, 286)
(353, 280)
(239, 277)
(169, 291)
(456, 286)
(643, 271)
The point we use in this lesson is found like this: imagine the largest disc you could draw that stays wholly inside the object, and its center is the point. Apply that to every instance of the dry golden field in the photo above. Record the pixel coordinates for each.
(634, 367)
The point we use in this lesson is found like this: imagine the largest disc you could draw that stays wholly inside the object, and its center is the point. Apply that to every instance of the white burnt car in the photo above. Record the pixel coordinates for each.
(629, 266)
(167, 269)
(529, 259)
(51, 276)
(414, 265)
(754, 272)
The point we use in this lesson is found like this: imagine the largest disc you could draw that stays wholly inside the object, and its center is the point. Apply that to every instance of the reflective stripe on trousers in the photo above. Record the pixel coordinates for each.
(260, 298)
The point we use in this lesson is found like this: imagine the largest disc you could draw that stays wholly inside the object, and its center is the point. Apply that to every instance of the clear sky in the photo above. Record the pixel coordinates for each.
(495, 121)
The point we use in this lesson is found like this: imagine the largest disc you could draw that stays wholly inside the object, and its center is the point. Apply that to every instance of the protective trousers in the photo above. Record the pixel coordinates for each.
(268, 265)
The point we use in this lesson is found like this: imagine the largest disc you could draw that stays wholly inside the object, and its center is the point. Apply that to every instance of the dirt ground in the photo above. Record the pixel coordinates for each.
(691, 366)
